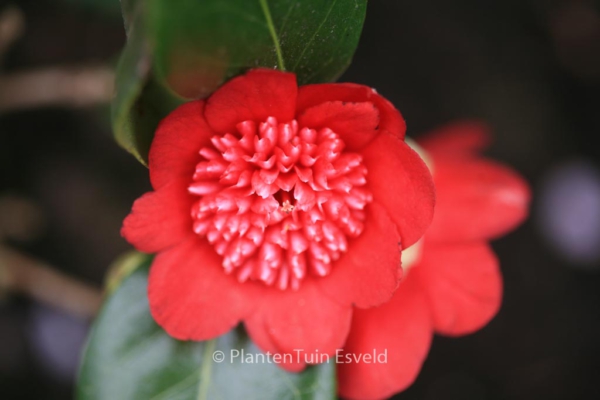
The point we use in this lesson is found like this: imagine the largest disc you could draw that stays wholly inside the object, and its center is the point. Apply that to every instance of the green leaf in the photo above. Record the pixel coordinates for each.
(140, 103)
(200, 44)
(129, 357)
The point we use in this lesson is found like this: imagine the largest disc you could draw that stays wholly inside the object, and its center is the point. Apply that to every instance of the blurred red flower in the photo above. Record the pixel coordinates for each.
(280, 206)
(454, 287)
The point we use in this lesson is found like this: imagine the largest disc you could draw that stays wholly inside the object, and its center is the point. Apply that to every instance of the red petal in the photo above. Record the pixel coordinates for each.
(190, 295)
(159, 219)
(313, 95)
(178, 139)
(476, 200)
(259, 334)
(303, 324)
(257, 95)
(356, 123)
(401, 329)
(463, 285)
(401, 182)
(368, 273)
(457, 139)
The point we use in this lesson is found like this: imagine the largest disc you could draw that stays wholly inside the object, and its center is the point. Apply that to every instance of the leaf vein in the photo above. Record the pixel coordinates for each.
(265, 7)
(287, 16)
(333, 3)
(174, 389)
(206, 370)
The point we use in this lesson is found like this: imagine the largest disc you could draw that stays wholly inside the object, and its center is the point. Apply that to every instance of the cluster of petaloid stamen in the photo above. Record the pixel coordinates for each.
(279, 202)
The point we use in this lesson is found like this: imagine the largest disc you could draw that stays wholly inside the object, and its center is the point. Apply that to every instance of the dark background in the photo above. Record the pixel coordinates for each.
(531, 69)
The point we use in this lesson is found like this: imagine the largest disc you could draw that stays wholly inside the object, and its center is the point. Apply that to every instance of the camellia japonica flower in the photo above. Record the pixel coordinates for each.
(281, 206)
(453, 285)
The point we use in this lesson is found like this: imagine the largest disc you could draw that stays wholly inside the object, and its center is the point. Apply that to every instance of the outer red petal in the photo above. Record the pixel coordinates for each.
(356, 123)
(159, 219)
(476, 200)
(190, 295)
(402, 328)
(463, 285)
(401, 182)
(390, 118)
(259, 334)
(368, 273)
(457, 139)
(176, 144)
(259, 94)
(302, 324)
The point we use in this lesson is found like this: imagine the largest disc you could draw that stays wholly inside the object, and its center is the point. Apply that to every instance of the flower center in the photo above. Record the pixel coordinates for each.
(279, 202)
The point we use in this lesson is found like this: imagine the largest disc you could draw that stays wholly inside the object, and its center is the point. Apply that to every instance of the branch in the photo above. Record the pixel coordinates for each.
(56, 86)
(63, 86)
(22, 220)
(19, 273)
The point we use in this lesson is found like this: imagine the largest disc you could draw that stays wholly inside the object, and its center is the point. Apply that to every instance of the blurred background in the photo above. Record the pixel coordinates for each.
(529, 68)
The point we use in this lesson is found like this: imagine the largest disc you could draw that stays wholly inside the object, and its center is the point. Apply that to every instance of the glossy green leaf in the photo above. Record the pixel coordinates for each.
(140, 103)
(200, 44)
(129, 357)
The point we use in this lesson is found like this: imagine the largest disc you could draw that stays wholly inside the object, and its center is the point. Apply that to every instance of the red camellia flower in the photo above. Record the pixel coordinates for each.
(280, 206)
(454, 287)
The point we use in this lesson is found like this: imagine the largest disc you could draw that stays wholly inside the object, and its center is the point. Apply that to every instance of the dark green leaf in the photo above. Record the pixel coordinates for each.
(140, 103)
(129, 357)
(199, 44)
